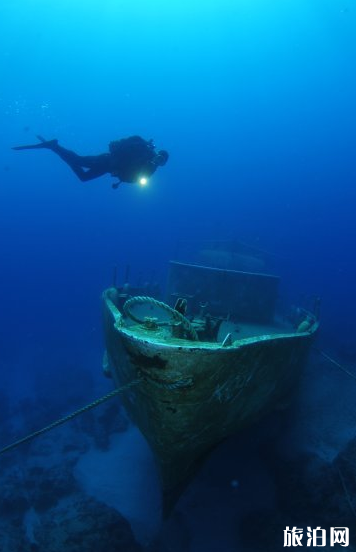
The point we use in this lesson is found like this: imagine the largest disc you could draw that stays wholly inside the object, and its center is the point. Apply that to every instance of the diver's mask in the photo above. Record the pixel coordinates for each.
(161, 158)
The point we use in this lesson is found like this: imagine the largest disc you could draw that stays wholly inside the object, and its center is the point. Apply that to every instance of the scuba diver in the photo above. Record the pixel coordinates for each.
(131, 159)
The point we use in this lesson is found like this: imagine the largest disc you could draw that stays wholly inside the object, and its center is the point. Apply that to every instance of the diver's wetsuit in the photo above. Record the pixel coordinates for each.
(97, 165)
(128, 160)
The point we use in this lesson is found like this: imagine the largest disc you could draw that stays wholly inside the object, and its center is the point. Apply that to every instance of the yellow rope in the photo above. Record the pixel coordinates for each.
(74, 414)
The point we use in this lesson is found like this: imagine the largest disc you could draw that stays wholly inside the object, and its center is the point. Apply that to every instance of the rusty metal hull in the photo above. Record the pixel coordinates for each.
(192, 395)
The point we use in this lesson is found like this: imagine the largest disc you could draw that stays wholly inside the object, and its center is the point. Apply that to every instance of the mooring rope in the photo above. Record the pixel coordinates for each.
(337, 364)
(346, 491)
(114, 393)
(74, 414)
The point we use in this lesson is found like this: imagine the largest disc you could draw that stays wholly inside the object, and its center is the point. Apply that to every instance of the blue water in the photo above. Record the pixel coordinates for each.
(255, 102)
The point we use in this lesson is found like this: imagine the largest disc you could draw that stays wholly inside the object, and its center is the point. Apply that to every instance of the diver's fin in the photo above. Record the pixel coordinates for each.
(49, 144)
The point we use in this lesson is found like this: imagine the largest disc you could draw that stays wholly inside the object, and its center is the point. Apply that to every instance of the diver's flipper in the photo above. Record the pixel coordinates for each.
(47, 144)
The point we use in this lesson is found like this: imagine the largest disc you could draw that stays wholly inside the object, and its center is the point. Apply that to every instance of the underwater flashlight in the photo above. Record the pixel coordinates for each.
(143, 181)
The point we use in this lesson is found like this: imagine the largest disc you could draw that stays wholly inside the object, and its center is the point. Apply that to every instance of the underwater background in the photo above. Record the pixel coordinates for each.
(255, 102)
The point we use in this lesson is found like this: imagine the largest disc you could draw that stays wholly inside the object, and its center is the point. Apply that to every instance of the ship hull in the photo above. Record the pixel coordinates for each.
(192, 395)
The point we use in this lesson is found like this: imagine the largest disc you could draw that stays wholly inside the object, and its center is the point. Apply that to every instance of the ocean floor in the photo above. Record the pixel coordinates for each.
(92, 485)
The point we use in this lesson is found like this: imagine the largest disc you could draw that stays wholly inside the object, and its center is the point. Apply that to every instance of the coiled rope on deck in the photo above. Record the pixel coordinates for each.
(176, 315)
(74, 414)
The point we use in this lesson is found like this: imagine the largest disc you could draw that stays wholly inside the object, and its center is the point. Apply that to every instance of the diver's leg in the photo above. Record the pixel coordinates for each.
(44, 144)
(69, 156)
(98, 165)
(90, 174)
